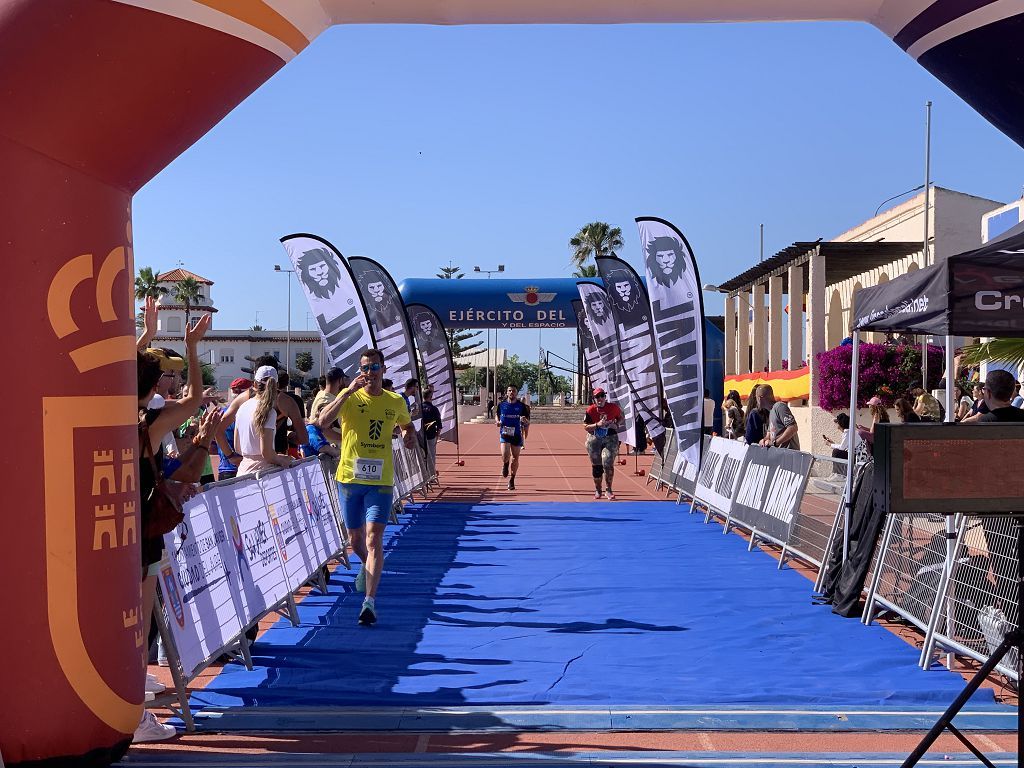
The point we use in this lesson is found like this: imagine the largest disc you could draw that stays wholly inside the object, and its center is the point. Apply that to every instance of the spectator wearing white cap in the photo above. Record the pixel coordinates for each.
(255, 423)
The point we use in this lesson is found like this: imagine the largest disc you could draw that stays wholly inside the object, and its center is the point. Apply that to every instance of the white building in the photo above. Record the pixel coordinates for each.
(226, 350)
(821, 277)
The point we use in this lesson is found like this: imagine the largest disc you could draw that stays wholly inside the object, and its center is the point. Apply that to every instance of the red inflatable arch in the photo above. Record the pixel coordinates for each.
(96, 97)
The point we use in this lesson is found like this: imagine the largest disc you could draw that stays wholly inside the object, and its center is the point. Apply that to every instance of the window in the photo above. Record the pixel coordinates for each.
(227, 355)
(173, 325)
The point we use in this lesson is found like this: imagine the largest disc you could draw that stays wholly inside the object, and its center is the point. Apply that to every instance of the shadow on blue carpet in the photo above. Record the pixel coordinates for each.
(627, 603)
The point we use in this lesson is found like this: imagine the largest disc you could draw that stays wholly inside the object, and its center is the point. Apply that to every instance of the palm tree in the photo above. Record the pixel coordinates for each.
(189, 293)
(997, 350)
(147, 284)
(593, 240)
(586, 270)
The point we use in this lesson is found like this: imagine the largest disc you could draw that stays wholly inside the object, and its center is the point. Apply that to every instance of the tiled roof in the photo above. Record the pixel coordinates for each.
(178, 274)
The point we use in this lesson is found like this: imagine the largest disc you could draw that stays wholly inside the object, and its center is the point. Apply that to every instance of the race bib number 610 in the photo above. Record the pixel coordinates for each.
(369, 469)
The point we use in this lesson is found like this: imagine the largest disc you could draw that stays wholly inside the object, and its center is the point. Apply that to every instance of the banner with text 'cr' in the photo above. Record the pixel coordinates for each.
(677, 312)
(772, 483)
(333, 299)
(631, 311)
(719, 473)
(436, 359)
(602, 327)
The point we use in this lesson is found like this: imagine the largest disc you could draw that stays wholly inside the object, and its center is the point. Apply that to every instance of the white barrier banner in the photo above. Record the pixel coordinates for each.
(316, 501)
(719, 473)
(290, 523)
(257, 580)
(196, 587)
(770, 490)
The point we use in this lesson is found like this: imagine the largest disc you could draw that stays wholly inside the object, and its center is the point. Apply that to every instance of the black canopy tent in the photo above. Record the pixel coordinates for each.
(977, 293)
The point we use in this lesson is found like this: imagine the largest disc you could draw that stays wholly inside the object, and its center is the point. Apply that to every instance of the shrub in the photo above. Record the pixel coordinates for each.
(886, 371)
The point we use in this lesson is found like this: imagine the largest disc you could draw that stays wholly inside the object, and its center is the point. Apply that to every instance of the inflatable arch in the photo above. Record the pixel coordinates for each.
(96, 97)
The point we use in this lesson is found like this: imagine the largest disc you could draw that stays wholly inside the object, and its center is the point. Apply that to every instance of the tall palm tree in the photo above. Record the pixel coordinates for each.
(147, 284)
(189, 293)
(595, 239)
(586, 270)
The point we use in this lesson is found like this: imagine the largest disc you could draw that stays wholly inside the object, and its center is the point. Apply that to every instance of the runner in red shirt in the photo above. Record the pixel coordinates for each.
(603, 421)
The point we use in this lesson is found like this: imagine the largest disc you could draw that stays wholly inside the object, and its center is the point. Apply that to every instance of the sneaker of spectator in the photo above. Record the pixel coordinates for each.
(150, 729)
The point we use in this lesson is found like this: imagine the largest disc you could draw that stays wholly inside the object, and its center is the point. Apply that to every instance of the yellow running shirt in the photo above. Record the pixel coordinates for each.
(366, 426)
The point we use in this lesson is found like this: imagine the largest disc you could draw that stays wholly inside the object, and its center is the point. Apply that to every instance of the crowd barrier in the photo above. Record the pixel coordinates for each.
(954, 579)
(244, 548)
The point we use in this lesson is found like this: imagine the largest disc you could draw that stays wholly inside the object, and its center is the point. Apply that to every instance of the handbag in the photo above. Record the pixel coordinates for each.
(161, 512)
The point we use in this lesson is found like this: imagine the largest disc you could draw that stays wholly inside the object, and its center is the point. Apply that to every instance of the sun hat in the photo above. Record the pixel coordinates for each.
(265, 372)
(876, 400)
(170, 361)
(598, 391)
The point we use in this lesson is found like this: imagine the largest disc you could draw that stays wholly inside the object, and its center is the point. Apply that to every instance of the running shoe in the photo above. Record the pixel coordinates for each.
(598, 495)
(512, 484)
(368, 616)
(153, 685)
(361, 579)
(609, 495)
(151, 729)
(504, 469)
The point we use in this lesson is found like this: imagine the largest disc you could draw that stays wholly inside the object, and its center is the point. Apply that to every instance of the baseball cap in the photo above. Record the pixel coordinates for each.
(875, 400)
(598, 391)
(265, 372)
(241, 383)
(170, 361)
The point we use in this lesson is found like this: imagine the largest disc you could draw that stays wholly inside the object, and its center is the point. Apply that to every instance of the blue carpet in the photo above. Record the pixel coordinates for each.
(625, 603)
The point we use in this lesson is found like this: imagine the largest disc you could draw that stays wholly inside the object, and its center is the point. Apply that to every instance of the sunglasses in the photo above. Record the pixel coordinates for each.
(600, 397)
(371, 367)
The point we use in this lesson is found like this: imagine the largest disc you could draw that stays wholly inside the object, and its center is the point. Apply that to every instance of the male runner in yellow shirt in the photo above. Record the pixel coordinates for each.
(365, 476)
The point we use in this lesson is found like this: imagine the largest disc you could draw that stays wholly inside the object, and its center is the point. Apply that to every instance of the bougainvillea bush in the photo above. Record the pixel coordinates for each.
(886, 370)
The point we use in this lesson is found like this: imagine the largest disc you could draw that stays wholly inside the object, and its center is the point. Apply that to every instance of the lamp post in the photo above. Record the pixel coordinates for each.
(494, 382)
(288, 341)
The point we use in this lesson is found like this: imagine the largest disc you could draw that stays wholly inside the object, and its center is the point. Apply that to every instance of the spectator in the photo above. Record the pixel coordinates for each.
(733, 395)
(1017, 401)
(978, 409)
(879, 414)
(334, 382)
(905, 411)
(926, 406)
(229, 457)
(254, 425)
(840, 448)
(732, 419)
(998, 394)
(709, 413)
(431, 429)
(490, 407)
(782, 426)
(756, 426)
(962, 403)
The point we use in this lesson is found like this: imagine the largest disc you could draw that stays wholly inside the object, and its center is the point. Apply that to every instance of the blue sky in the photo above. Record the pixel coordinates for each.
(419, 145)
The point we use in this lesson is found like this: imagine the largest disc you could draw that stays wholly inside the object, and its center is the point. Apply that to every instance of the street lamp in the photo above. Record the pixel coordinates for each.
(288, 342)
(489, 272)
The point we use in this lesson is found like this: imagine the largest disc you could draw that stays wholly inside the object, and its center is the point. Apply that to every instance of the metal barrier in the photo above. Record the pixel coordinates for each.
(976, 604)
(910, 568)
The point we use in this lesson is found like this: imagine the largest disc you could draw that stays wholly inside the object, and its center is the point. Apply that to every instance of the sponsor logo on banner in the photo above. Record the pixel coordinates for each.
(629, 308)
(602, 325)
(677, 313)
(387, 316)
(531, 296)
(436, 359)
(275, 524)
(333, 298)
(595, 370)
(172, 598)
